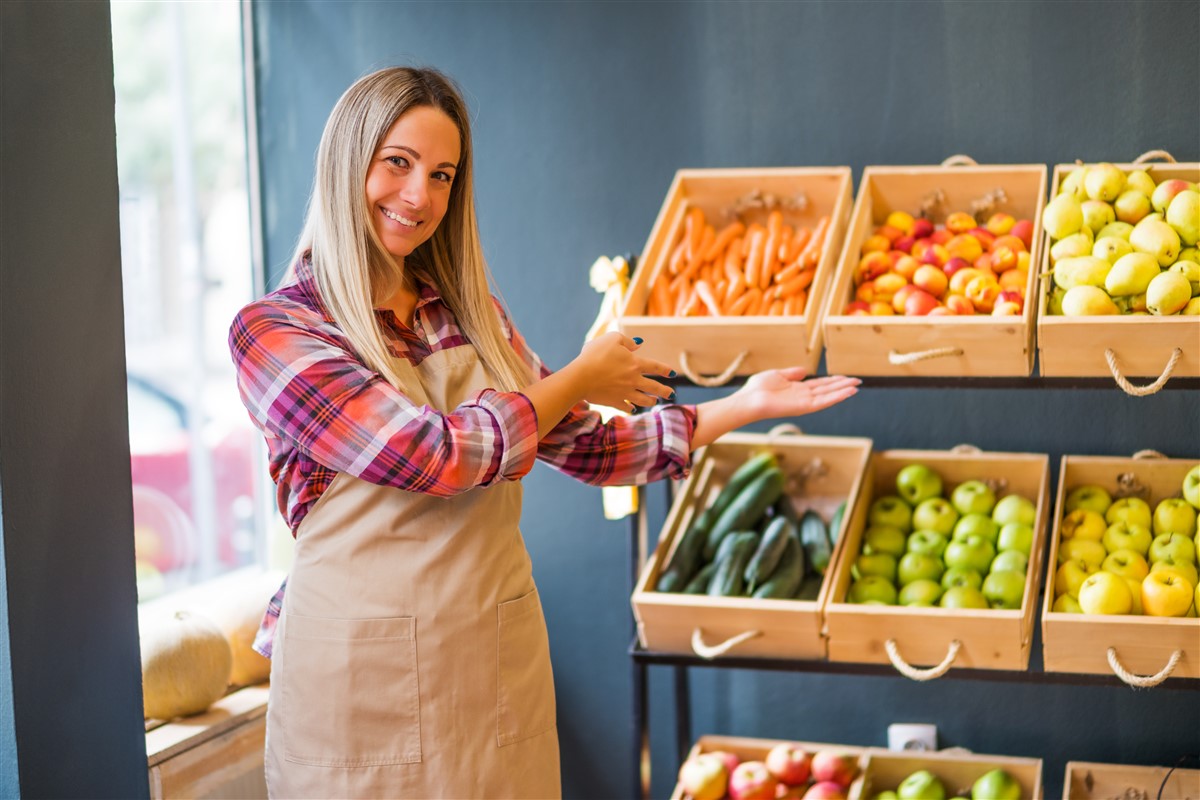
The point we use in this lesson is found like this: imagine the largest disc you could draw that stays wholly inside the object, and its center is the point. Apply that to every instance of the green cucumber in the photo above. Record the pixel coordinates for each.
(769, 551)
(746, 509)
(815, 538)
(835, 523)
(699, 584)
(788, 575)
(729, 580)
(671, 580)
(810, 588)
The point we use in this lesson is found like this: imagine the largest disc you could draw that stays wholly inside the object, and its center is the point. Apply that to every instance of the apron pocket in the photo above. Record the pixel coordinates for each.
(525, 682)
(350, 696)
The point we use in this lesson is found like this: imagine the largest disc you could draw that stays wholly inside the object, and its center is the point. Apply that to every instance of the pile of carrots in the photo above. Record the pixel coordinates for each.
(741, 270)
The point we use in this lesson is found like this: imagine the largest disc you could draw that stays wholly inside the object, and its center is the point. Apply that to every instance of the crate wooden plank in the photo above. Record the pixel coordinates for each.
(1143, 644)
(885, 770)
(709, 346)
(670, 622)
(1143, 346)
(989, 638)
(1097, 781)
(975, 346)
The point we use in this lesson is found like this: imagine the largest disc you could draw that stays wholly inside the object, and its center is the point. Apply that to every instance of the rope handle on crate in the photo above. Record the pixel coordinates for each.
(896, 358)
(909, 671)
(1148, 389)
(968, 449)
(1142, 455)
(1142, 681)
(707, 651)
(959, 160)
(1151, 155)
(720, 379)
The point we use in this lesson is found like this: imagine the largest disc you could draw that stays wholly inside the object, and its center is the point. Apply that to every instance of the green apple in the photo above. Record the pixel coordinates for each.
(1082, 524)
(1191, 486)
(976, 525)
(881, 564)
(921, 785)
(1126, 536)
(921, 593)
(1010, 561)
(1071, 575)
(1184, 569)
(892, 511)
(958, 576)
(929, 542)
(1089, 496)
(935, 514)
(1065, 604)
(1083, 549)
(1104, 181)
(1016, 537)
(963, 597)
(884, 539)
(1129, 509)
(1175, 546)
(1127, 564)
(970, 552)
(1014, 508)
(889, 794)
(1105, 593)
(973, 497)
(872, 588)
(918, 482)
(1004, 589)
(1174, 515)
(919, 566)
(996, 784)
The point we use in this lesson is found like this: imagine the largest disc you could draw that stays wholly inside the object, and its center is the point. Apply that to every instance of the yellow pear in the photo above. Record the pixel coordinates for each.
(1081, 271)
(1088, 301)
(1131, 274)
(1168, 293)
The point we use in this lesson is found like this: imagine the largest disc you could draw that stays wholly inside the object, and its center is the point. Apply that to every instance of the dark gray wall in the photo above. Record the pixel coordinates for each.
(583, 111)
(74, 725)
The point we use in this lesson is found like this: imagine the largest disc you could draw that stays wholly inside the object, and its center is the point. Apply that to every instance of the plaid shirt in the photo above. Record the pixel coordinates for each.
(322, 411)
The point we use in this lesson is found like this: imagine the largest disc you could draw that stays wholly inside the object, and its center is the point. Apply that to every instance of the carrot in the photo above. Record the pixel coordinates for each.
(754, 226)
(754, 259)
(696, 256)
(789, 307)
(796, 245)
(704, 292)
(774, 222)
(767, 270)
(693, 230)
(660, 294)
(727, 235)
(677, 257)
(746, 301)
(812, 251)
(719, 289)
(801, 300)
(681, 296)
(691, 308)
(796, 284)
(776, 308)
(785, 242)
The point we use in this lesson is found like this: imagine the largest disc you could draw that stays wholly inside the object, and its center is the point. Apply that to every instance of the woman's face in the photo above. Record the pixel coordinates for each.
(408, 181)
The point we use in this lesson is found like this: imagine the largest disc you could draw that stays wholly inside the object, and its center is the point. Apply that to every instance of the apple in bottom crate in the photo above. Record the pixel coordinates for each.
(790, 764)
(825, 790)
(830, 766)
(704, 777)
(751, 780)
(996, 784)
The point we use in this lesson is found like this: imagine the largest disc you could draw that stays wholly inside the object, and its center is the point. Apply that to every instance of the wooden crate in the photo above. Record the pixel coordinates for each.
(972, 346)
(749, 749)
(680, 623)
(956, 770)
(1141, 346)
(1143, 645)
(701, 347)
(1092, 781)
(988, 638)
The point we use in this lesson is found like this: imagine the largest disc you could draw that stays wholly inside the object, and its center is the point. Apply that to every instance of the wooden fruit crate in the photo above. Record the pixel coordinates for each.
(1092, 781)
(711, 350)
(906, 635)
(973, 346)
(1140, 645)
(822, 472)
(956, 770)
(749, 749)
(1140, 346)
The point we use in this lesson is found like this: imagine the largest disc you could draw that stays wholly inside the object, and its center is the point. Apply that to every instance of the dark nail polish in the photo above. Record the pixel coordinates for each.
(637, 340)
(671, 399)
(671, 374)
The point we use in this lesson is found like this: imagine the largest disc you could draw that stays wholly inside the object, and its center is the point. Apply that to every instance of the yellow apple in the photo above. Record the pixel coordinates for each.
(1130, 509)
(1135, 591)
(1089, 550)
(1166, 594)
(1127, 564)
(1106, 593)
(1183, 569)
(1065, 604)
(1071, 575)
(1083, 523)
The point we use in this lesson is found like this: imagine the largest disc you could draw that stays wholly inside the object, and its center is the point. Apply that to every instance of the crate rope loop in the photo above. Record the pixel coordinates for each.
(909, 671)
(1151, 155)
(1148, 389)
(1142, 681)
(710, 652)
(719, 379)
(899, 359)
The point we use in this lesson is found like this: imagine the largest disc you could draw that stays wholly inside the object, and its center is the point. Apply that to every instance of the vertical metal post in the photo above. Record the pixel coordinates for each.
(640, 728)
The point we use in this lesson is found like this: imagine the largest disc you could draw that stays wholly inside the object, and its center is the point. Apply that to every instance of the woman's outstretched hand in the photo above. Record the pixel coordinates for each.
(612, 374)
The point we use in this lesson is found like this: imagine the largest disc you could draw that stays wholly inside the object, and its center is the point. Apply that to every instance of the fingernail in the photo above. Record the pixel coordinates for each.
(671, 374)
(671, 399)
(637, 340)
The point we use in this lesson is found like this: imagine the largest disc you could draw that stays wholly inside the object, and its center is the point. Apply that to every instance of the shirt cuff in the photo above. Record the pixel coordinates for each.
(517, 426)
(678, 424)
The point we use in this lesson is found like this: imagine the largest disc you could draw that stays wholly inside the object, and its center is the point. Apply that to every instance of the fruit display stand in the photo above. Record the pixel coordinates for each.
(751, 749)
(955, 345)
(1119, 346)
(1140, 650)
(1096, 781)
(822, 472)
(884, 770)
(906, 635)
(712, 349)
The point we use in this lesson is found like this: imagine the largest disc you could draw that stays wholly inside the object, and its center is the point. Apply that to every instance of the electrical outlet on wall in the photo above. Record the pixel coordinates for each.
(908, 736)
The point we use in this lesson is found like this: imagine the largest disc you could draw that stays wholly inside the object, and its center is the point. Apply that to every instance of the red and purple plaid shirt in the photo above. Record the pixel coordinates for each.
(323, 411)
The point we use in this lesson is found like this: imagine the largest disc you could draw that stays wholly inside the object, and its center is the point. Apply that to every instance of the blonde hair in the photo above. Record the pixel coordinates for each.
(351, 264)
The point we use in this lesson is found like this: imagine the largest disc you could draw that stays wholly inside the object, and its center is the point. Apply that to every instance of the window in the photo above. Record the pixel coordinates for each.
(201, 508)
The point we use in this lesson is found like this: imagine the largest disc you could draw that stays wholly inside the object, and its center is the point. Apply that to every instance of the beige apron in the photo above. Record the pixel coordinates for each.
(411, 657)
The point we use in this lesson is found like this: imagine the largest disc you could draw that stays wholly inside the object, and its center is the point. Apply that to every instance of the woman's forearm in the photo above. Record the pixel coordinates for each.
(717, 417)
(553, 396)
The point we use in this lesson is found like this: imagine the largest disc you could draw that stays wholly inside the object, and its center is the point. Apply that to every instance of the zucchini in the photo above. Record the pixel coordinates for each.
(815, 539)
(835, 523)
(769, 551)
(746, 509)
(810, 588)
(671, 580)
(729, 579)
(699, 584)
(788, 575)
(686, 557)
